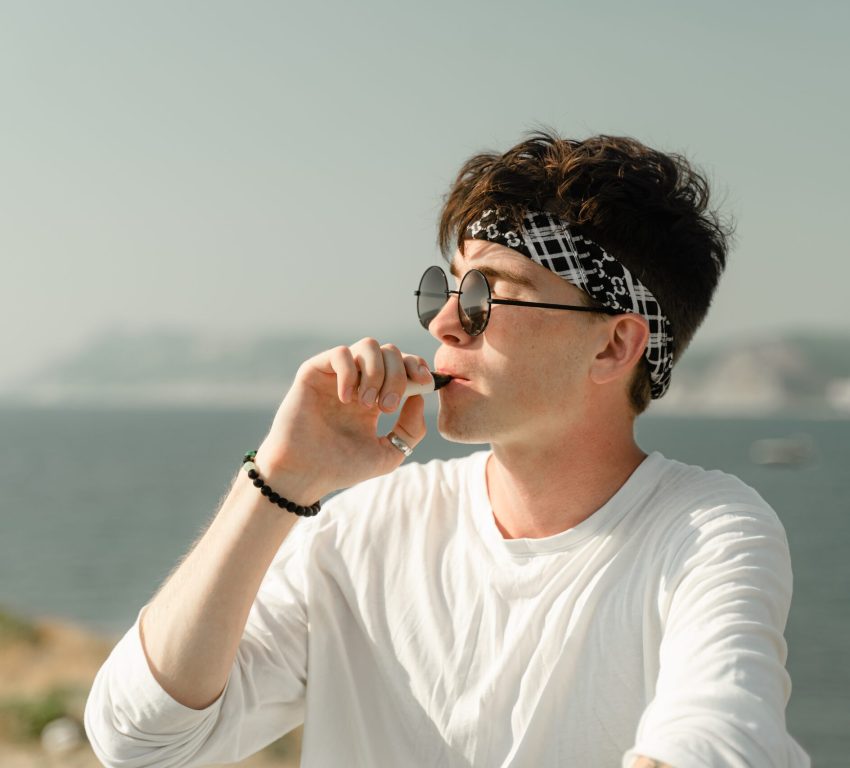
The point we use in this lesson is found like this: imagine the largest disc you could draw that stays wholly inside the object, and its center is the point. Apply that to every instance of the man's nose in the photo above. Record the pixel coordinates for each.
(446, 327)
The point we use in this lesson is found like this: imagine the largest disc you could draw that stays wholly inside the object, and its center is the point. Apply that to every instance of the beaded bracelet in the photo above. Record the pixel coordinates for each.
(275, 498)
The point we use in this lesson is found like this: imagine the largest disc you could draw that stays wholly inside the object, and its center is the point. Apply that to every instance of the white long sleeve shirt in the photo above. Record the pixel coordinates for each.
(402, 629)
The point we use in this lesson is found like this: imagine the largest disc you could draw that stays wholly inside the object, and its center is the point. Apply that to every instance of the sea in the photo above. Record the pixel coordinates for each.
(98, 506)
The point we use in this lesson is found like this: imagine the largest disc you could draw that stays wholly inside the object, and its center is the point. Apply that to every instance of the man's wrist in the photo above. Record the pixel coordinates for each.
(304, 488)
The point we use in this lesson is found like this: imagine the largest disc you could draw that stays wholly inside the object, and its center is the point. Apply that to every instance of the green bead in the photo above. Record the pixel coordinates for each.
(249, 465)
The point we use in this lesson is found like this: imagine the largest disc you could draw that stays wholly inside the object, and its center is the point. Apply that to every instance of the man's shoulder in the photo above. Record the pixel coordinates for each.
(692, 481)
(447, 473)
(412, 486)
(695, 498)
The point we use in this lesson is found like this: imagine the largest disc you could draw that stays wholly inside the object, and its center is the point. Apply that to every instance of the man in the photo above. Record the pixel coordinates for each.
(560, 600)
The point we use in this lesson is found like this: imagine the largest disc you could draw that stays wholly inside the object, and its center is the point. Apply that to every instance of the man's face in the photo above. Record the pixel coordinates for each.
(525, 377)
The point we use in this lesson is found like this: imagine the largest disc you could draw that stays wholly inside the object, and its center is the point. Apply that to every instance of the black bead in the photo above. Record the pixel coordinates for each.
(281, 502)
(291, 506)
(265, 490)
(253, 474)
(273, 497)
(259, 482)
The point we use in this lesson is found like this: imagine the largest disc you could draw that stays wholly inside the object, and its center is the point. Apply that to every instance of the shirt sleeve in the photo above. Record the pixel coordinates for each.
(722, 686)
(131, 721)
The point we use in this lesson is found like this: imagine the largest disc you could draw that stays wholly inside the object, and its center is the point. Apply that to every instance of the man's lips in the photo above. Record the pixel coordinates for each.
(452, 374)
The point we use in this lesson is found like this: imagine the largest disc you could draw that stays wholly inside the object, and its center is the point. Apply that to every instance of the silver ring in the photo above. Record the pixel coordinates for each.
(399, 443)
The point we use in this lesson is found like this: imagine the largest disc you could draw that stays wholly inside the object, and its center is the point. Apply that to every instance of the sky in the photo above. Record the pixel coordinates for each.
(242, 168)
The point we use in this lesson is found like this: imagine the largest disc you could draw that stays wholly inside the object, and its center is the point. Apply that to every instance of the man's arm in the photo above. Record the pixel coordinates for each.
(318, 443)
(191, 630)
(721, 689)
(323, 438)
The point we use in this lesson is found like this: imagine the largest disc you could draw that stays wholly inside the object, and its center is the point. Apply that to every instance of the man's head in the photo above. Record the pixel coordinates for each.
(534, 374)
(647, 209)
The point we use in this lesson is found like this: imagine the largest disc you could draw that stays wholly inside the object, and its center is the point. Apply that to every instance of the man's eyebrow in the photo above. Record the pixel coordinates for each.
(499, 273)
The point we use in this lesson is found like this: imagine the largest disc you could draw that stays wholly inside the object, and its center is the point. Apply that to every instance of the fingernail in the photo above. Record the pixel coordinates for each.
(369, 396)
(423, 371)
(390, 401)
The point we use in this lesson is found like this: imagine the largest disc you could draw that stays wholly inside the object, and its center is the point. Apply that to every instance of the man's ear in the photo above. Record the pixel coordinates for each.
(627, 337)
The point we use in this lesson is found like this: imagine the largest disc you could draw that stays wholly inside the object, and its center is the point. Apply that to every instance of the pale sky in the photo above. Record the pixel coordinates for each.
(243, 167)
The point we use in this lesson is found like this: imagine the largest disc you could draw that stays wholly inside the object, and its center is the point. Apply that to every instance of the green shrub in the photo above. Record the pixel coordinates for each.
(16, 629)
(23, 718)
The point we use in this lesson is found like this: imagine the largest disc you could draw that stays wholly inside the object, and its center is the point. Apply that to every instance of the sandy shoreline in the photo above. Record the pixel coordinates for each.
(46, 669)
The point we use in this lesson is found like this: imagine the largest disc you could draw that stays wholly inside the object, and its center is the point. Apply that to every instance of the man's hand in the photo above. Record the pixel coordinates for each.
(648, 762)
(323, 437)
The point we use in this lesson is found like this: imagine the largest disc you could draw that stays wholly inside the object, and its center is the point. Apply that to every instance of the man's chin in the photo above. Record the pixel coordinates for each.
(465, 439)
(456, 431)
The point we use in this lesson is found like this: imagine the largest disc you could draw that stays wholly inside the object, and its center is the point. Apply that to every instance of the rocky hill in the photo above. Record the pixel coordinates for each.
(177, 368)
(802, 374)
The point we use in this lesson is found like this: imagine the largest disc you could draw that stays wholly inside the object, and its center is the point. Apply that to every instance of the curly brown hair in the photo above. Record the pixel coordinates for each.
(647, 208)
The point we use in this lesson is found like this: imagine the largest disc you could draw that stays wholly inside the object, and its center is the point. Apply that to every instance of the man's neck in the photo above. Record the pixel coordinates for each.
(539, 490)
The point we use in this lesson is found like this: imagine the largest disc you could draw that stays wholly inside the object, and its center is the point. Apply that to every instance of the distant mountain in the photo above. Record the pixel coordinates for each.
(802, 374)
(179, 368)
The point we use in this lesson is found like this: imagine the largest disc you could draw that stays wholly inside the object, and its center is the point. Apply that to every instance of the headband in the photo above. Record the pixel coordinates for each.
(553, 244)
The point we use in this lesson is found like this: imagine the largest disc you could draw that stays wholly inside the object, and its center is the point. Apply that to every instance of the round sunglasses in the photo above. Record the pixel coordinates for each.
(474, 300)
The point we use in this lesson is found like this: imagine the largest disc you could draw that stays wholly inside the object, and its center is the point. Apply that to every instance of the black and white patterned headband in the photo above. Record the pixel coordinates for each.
(553, 244)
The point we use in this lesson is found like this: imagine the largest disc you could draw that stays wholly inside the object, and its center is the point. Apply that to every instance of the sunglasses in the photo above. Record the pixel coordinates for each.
(474, 300)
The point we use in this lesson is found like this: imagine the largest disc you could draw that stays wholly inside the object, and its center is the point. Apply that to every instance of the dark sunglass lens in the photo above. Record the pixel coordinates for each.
(433, 294)
(474, 302)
